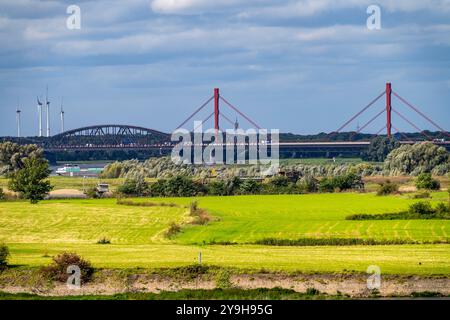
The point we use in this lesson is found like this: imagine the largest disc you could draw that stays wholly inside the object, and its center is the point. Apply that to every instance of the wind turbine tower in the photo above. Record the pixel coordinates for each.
(18, 111)
(47, 103)
(39, 105)
(62, 116)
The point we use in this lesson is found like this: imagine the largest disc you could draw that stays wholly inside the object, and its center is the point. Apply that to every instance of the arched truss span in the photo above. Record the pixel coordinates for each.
(110, 135)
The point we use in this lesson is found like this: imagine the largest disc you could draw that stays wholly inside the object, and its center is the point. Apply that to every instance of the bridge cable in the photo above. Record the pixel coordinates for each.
(402, 134)
(359, 113)
(202, 122)
(412, 124)
(379, 131)
(226, 118)
(368, 122)
(420, 113)
(238, 111)
(195, 112)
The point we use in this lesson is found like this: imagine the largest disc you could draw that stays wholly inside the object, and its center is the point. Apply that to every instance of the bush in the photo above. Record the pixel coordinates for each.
(137, 187)
(279, 182)
(193, 207)
(442, 209)
(173, 229)
(421, 208)
(326, 185)
(308, 184)
(223, 280)
(217, 188)
(181, 186)
(2, 195)
(4, 254)
(249, 187)
(422, 195)
(348, 181)
(387, 188)
(92, 193)
(104, 240)
(58, 269)
(426, 181)
(312, 292)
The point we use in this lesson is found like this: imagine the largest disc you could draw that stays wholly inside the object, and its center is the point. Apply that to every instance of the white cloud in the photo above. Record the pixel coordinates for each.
(190, 6)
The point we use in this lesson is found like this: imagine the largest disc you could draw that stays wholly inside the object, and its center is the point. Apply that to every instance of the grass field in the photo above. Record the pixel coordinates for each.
(403, 259)
(248, 218)
(34, 233)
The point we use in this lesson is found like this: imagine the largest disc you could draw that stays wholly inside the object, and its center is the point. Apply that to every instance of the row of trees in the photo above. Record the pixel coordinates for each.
(182, 186)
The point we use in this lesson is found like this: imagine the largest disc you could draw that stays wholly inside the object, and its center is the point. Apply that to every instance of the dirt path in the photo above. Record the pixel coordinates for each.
(108, 283)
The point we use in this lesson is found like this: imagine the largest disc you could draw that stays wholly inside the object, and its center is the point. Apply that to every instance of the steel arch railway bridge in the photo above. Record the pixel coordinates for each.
(126, 137)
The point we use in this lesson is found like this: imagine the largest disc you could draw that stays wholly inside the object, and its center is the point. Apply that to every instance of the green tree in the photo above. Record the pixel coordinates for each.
(379, 148)
(31, 180)
(426, 181)
(13, 155)
(424, 157)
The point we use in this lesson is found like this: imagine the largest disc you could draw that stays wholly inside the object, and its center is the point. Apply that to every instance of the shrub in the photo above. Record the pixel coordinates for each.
(2, 195)
(348, 181)
(426, 181)
(104, 240)
(193, 207)
(181, 186)
(137, 187)
(421, 208)
(223, 279)
(422, 195)
(308, 184)
(217, 188)
(279, 182)
(326, 185)
(91, 192)
(312, 292)
(4, 254)
(387, 188)
(249, 187)
(442, 209)
(173, 229)
(58, 269)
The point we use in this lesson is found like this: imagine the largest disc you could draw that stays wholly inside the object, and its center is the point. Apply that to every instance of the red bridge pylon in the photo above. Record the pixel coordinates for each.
(217, 113)
(389, 109)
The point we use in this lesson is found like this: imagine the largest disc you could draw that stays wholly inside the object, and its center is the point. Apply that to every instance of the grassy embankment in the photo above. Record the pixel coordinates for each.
(35, 233)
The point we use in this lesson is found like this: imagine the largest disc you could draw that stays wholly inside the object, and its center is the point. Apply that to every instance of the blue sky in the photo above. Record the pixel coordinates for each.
(302, 66)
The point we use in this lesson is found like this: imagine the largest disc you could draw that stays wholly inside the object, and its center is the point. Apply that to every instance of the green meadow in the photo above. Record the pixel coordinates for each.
(35, 233)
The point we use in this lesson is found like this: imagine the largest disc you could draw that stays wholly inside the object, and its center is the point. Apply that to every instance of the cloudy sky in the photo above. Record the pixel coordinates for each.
(303, 66)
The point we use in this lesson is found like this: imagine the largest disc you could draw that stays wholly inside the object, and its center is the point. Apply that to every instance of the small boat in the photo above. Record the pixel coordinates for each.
(68, 169)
